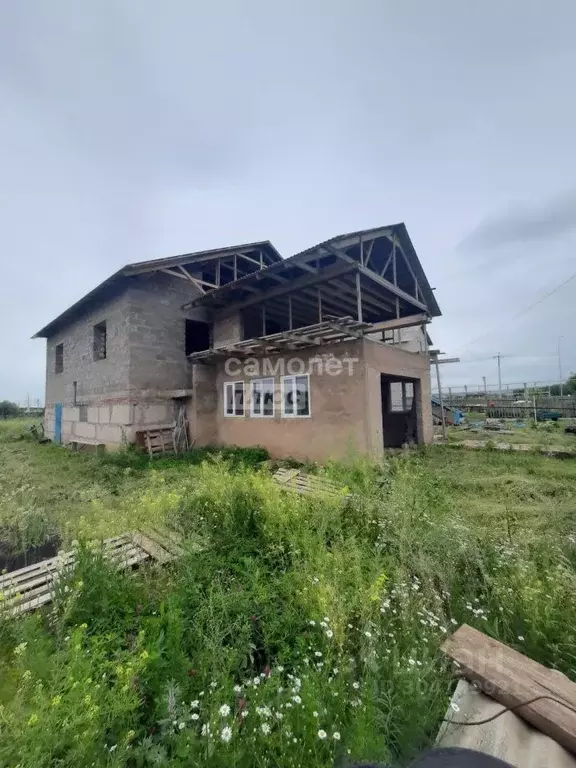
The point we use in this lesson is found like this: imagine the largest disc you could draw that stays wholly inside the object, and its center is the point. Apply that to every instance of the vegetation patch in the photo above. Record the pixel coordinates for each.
(307, 630)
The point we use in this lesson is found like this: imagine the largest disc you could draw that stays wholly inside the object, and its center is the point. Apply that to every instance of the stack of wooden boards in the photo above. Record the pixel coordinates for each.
(31, 587)
(302, 482)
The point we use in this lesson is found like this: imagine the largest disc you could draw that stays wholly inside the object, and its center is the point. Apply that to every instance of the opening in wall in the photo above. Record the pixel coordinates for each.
(59, 358)
(99, 342)
(197, 336)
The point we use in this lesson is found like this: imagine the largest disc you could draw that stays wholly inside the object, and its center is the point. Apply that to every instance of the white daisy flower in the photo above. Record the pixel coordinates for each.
(226, 734)
(224, 710)
(322, 734)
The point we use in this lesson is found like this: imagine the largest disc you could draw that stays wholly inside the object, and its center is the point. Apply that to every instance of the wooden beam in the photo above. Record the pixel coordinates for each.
(358, 297)
(368, 252)
(402, 322)
(512, 678)
(398, 292)
(303, 265)
(300, 282)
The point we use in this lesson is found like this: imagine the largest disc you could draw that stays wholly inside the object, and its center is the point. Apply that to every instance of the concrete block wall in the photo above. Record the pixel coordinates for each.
(145, 362)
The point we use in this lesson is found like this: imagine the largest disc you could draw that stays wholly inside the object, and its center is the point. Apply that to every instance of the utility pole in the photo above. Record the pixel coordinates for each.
(560, 367)
(497, 357)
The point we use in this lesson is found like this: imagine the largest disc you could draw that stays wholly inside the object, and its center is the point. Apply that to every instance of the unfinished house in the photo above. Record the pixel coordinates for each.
(238, 346)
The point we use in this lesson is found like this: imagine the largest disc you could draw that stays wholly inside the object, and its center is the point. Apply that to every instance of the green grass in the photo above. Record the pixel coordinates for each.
(548, 434)
(307, 630)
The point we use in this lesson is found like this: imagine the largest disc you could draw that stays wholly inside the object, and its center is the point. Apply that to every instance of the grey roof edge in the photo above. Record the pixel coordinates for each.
(140, 267)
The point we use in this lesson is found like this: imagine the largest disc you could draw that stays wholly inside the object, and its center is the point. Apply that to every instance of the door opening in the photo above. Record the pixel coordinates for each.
(399, 414)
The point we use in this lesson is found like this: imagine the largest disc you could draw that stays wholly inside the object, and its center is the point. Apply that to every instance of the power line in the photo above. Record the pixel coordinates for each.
(523, 312)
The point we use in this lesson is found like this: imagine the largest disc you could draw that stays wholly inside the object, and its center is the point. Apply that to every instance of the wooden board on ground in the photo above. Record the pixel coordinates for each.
(302, 482)
(511, 678)
(31, 587)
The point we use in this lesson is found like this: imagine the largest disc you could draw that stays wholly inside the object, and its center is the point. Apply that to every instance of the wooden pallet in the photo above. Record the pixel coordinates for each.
(160, 441)
(302, 482)
(31, 587)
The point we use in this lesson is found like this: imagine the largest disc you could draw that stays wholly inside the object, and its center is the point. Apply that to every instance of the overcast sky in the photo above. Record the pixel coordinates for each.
(136, 130)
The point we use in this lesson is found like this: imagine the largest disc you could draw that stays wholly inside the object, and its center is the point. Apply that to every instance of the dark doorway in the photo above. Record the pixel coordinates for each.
(197, 336)
(399, 414)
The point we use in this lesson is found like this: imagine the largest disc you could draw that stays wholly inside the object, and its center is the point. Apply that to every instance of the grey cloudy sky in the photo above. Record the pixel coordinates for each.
(132, 130)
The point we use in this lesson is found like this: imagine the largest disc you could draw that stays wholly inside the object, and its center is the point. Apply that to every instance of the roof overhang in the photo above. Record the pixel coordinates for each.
(381, 262)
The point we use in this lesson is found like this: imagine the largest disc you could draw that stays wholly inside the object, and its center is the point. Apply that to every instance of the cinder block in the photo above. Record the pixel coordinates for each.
(109, 433)
(93, 415)
(122, 414)
(156, 413)
(104, 412)
(70, 413)
(84, 429)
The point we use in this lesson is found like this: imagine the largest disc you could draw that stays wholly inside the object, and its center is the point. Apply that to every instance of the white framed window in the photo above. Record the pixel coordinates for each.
(296, 396)
(262, 397)
(233, 398)
(401, 396)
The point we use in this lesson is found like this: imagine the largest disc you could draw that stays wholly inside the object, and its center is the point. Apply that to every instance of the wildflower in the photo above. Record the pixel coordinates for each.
(226, 734)
(329, 633)
(195, 716)
(205, 730)
(213, 684)
(256, 681)
(315, 714)
(113, 747)
(521, 638)
(265, 728)
(224, 710)
(335, 670)
(355, 685)
(326, 619)
(33, 719)
(280, 669)
(181, 726)
(278, 715)
(312, 623)
(297, 699)
(317, 654)
(368, 634)
(454, 706)
(19, 650)
(322, 734)
(244, 713)
(56, 700)
(336, 735)
(237, 689)
(194, 704)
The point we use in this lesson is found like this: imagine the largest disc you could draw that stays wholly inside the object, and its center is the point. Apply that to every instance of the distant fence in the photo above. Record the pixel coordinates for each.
(507, 408)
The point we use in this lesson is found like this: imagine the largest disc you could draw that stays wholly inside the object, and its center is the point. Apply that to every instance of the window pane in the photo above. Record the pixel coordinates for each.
(302, 396)
(408, 394)
(268, 397)
(396, 404)
(257, 397)
(288, 395)
(239, 399)
(229, 399)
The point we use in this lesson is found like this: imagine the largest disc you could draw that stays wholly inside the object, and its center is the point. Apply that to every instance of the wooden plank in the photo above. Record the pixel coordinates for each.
(511, 678)
(153, 548)
(166, 542)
